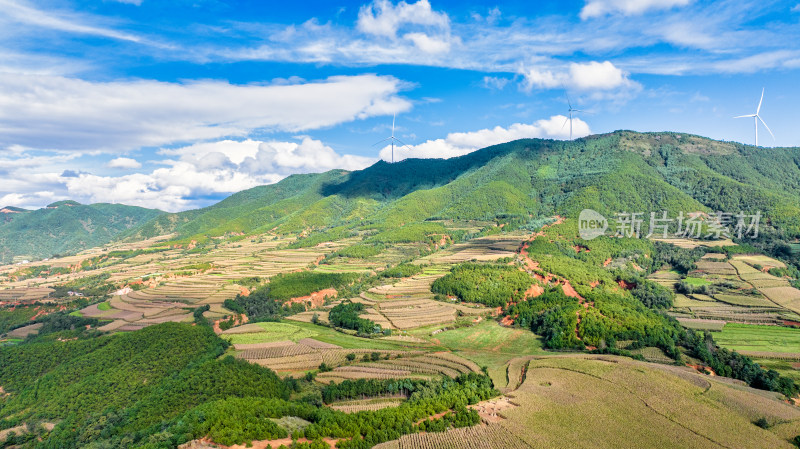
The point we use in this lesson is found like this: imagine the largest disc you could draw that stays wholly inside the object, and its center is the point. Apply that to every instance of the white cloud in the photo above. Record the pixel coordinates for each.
(688, 35)
(428, 44)
(386, 33)
(21, 12)
(124, 163)
(208, 169)
(29, 200)
(599, 8)
(43, 112)
(459, 144)
(382, 18)
(307, 156)
(495, 82)
(597, 75)
(590, 76)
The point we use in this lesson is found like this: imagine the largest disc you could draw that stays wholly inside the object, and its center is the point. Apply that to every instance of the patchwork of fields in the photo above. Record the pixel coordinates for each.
(549, 401)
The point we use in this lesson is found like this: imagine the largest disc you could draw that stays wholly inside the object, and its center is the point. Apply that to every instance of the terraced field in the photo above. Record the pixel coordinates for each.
(741, 293)
(366, 404)
(488, 248)
(402, 365)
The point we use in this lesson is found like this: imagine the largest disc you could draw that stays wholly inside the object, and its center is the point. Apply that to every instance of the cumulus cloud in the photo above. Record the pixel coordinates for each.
(588, 76)
(210, 169)
(599, 8)
(43, 112)
(382, 18)
(459, 144)
(124, 163)
(306, 156)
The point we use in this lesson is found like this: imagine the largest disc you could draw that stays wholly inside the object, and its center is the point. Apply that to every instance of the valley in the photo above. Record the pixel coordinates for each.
(456, 306)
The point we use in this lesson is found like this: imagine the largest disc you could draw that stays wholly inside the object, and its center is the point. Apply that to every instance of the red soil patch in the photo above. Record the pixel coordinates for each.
(626, 285)
(570, 291)
(534, 291)
(607, 261)
(39, 312)
(594, 284)
(791, 323)
(637, 267)
(431, 418)
(506, 321)
(238, 321)
(497, 311)
(703, 369)
(317, 299)
(580, 248)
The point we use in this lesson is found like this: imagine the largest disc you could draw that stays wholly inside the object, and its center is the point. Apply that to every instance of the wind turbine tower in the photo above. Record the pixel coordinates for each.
(571, 110)
(392, 139)
(757, 118)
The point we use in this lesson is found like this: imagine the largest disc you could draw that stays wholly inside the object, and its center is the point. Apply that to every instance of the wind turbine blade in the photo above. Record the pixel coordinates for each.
(381, 141)
(565, 123)
(402, 142)
(760, 101)
(765, 126)
(745, 116)
(394, 116)
(566, 95)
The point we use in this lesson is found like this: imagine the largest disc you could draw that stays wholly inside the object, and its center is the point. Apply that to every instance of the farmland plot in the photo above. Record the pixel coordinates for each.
(491, 436)
(663, 410)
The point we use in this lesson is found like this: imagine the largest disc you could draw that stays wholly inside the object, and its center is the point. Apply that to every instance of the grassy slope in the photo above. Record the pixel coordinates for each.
(578, 401)
(488, 344)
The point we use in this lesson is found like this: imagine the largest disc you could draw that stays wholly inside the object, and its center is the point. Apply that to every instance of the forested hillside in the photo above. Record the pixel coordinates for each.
(521, 180)
(64, 227)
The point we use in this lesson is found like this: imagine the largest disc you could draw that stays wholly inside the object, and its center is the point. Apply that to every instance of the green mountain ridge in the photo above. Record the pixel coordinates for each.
(529, 179)
(65, 227)
(526, 180)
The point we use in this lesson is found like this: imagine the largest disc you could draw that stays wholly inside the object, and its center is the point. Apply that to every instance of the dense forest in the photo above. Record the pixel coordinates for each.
(166, 384)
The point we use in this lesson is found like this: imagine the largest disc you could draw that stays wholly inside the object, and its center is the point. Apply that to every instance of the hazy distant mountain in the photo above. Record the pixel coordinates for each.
(64, 227)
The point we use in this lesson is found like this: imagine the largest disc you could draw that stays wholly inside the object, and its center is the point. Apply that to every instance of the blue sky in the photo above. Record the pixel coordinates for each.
(176, 105)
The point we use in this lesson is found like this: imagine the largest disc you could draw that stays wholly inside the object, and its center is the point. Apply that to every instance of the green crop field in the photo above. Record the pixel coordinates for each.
(748, 337)
(272, 332)
(697, 281)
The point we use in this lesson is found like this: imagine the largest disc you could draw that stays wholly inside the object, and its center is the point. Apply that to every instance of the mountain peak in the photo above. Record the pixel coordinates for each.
(12, 210)
(58, 204)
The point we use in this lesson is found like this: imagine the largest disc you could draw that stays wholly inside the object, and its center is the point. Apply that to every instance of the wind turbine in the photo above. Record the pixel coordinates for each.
(392, 138)
(757, 117)
(571, 110)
